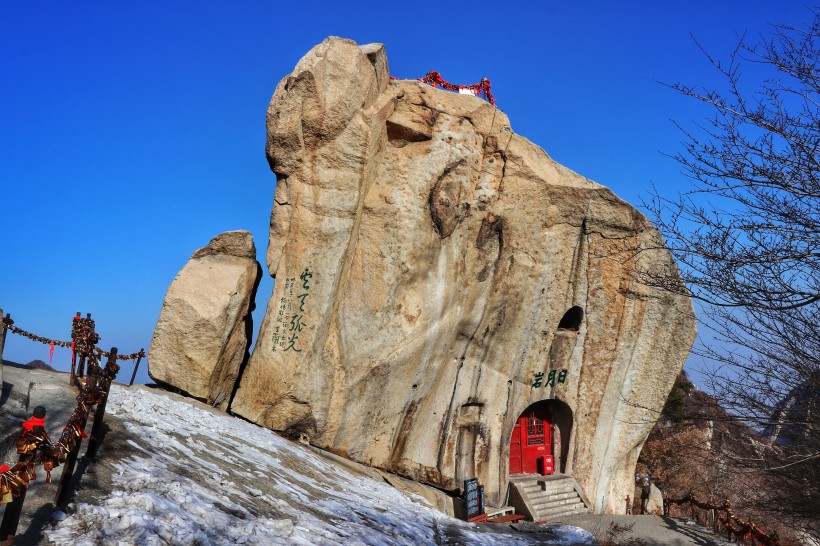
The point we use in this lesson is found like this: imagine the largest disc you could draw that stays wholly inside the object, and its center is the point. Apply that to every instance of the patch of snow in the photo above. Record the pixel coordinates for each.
(205, 479)
(569, 534)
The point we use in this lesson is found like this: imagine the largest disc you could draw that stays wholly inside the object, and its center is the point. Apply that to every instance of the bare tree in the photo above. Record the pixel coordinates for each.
(747, 240)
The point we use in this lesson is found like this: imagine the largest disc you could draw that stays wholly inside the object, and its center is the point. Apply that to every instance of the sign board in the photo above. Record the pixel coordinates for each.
(473, 498)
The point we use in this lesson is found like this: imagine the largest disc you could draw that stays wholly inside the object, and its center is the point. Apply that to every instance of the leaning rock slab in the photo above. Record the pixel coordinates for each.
(203, 332)
(437, 275)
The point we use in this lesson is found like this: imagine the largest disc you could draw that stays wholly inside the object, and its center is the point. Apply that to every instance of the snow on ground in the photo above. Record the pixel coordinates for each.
(199, 478)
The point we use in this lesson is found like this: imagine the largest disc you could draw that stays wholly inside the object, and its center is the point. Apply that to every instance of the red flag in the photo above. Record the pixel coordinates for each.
(50, 353)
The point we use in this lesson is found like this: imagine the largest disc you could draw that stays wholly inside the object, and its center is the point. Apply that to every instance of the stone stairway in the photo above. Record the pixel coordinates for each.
(545, 498)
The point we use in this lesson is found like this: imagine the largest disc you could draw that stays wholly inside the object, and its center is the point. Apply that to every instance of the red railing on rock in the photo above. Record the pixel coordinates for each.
(481, 88)
(734, 526)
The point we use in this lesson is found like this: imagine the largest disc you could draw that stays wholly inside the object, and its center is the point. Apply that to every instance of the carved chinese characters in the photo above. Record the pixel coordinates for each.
(290, 315)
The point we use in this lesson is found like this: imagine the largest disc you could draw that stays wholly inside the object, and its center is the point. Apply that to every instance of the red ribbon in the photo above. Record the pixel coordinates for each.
(50, 353)
(72, 352)
(4, 468)
(34, 422)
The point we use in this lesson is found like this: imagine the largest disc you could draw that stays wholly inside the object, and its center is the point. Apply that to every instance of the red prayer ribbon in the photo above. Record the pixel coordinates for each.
(50, 353)
(34, 422)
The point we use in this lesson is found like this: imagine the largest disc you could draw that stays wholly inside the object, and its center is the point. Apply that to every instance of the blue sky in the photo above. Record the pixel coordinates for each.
(132, 133)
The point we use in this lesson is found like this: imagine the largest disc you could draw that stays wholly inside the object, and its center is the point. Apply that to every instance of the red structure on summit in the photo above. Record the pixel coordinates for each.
(483, 87)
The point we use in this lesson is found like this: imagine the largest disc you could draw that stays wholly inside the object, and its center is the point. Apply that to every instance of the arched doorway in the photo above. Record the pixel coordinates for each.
(543, 429)
(572, 319)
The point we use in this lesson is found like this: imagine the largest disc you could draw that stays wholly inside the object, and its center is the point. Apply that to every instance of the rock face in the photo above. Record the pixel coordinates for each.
(438, 276)
(790, 416)
(203, 333)
(654, 505)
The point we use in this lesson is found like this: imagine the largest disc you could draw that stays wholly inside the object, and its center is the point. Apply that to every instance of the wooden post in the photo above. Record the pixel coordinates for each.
(83, 355)
(2, 344)
(81, 366)
(85, 363)
(72, 376)
(99, 414)
(2, 336)
(11, 517)
(64, 487)
(136, 367)
(88, 348)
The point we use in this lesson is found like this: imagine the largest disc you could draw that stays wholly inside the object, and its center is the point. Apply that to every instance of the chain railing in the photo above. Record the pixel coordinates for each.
(37, 450)
(83, 343)
(734, 527)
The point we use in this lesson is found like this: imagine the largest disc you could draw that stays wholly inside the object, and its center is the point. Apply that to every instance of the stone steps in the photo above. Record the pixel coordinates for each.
(547, 498)
(552, 515)
(558, 489)
(544, 498)
(554, 507)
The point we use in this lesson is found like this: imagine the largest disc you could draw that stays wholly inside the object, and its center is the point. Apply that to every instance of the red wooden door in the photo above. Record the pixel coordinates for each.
(515, 450)
(537, 441)
(531, 440)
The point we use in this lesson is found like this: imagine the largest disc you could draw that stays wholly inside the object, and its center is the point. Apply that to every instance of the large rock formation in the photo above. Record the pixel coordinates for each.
(432, 268)
(203, 333)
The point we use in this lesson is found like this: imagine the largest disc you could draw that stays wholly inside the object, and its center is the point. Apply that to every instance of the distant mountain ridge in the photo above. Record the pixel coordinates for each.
(791, 418)
(33, 365)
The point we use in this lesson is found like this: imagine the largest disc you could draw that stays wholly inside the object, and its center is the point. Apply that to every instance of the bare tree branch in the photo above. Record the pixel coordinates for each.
(746, 239)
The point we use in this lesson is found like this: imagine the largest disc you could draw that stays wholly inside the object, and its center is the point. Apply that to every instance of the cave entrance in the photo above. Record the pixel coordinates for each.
(543, 429)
